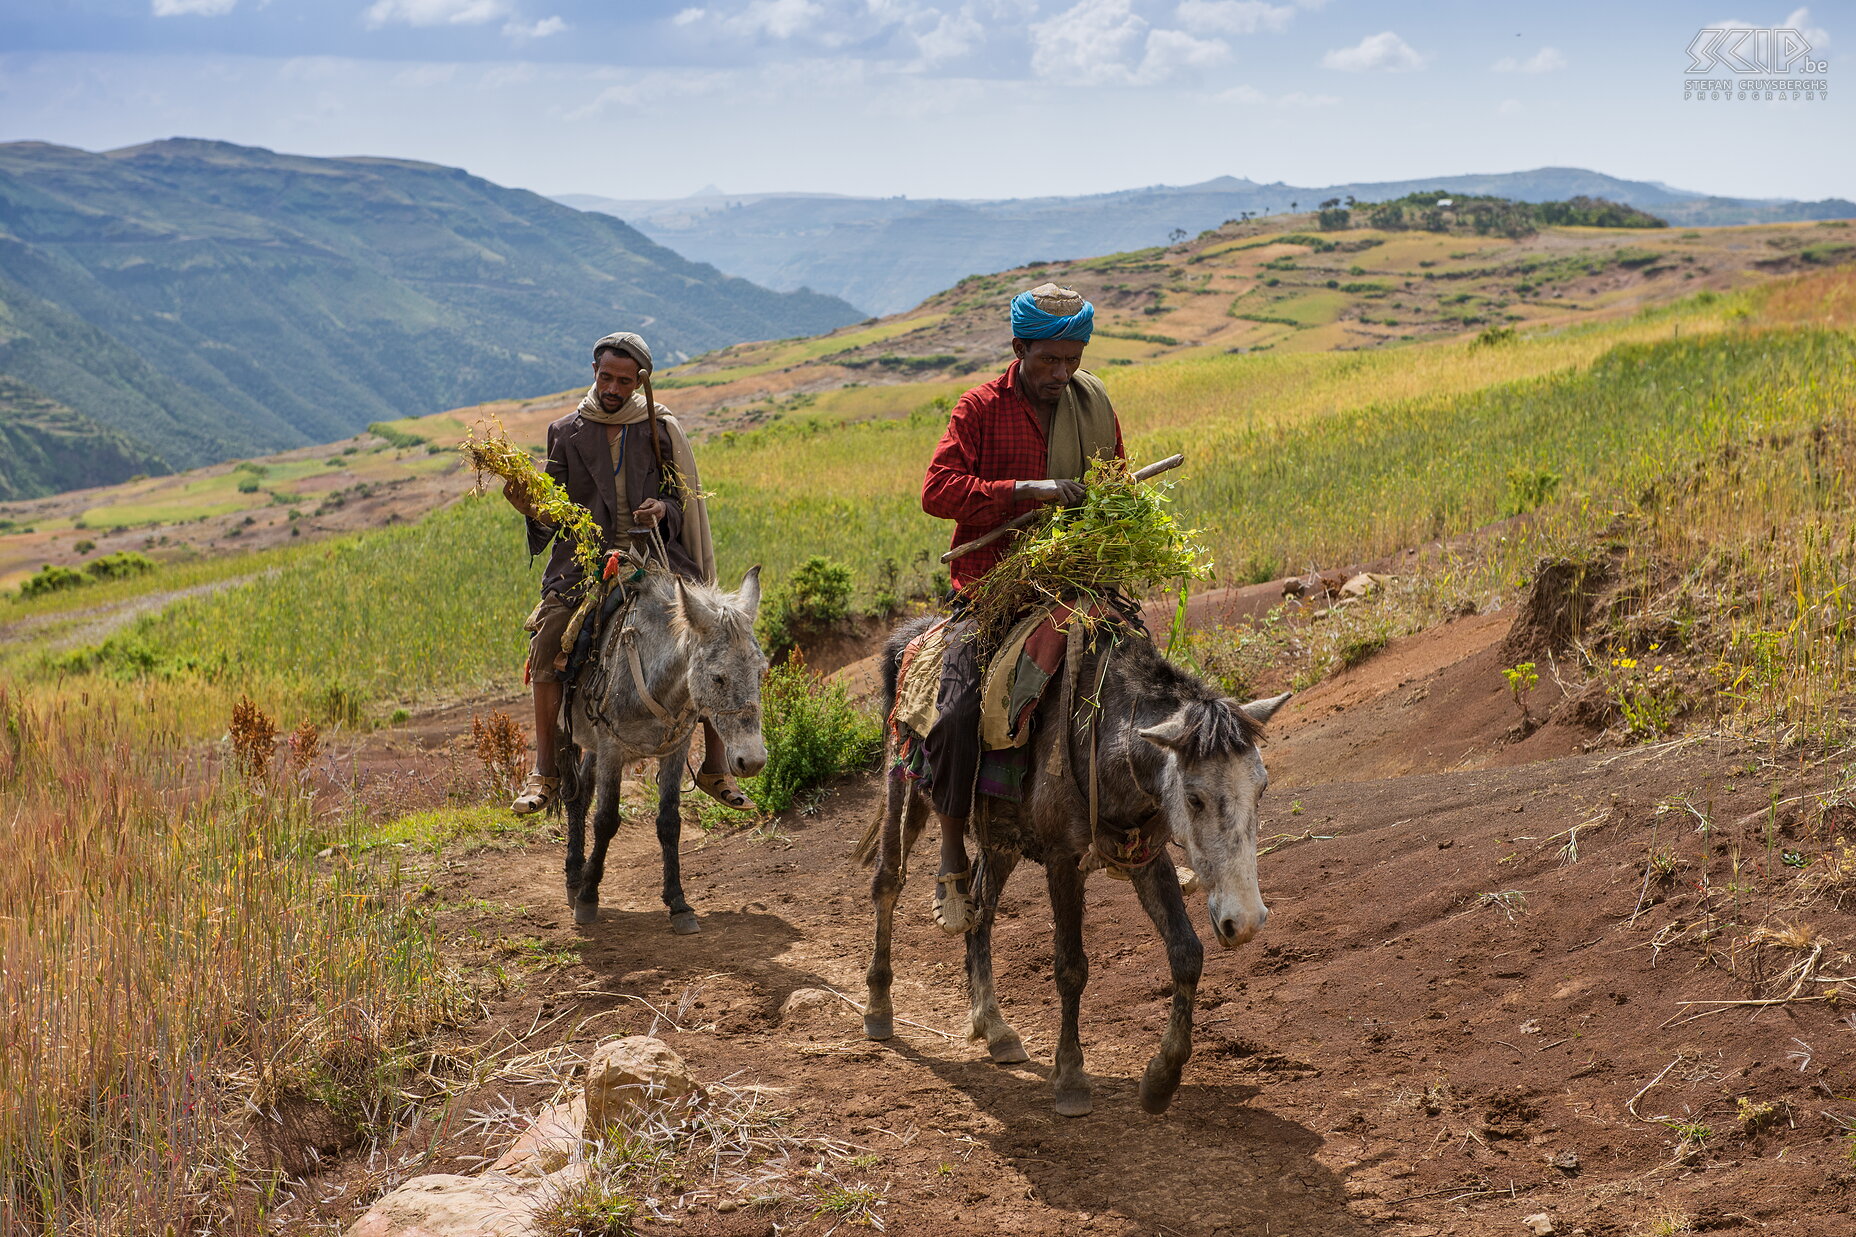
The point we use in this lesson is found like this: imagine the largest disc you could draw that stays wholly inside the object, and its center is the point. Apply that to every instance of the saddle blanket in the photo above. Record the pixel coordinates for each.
(1011, 687)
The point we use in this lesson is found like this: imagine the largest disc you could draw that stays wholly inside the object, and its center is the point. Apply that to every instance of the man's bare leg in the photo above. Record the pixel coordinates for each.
(539, 789)
(713, 780)
(547, 709)
(953, 907)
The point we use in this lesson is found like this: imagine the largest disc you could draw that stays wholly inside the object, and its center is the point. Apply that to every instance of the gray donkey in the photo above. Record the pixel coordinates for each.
(681, 652)
(1171, 760)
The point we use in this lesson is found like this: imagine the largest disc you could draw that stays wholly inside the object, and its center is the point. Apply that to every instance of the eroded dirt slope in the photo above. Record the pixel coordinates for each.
(1472, 1004)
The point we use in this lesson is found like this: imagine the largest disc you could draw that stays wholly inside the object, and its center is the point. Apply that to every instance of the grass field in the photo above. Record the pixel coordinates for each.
(1294, 461)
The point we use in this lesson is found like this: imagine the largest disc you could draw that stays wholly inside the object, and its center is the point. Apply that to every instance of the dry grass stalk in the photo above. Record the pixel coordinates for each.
(254, 735)
(502, 747)
(305, 746)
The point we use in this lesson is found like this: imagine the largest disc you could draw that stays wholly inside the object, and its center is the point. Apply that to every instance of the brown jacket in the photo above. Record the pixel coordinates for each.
(580, 461)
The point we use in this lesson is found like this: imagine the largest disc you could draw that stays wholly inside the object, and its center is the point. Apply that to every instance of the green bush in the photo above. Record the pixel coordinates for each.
(1529, 488)
(248, 485)
(52, 579)
(813, 733)
(817, 594)
(119, 566)
(398, 437)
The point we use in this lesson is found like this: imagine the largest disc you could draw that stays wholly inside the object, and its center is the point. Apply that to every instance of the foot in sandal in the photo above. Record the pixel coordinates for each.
(722, 788)
(953, 905)
(537, 794)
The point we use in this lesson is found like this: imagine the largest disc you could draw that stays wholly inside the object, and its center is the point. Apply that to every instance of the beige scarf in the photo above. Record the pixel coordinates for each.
(695, 536)
(1082, 429)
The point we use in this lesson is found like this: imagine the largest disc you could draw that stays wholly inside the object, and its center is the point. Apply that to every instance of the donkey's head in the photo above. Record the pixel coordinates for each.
(716, 631)
(1212, 781)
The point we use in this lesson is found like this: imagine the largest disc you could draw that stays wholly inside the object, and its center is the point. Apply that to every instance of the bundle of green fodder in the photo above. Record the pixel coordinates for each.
(1121, 538)
(492, 452)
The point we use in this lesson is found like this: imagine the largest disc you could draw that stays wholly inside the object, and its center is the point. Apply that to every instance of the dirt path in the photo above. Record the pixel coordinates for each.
(1439, 1034)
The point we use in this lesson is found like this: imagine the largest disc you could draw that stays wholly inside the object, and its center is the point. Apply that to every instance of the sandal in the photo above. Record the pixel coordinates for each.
(537, 794)
(721, 788)
(953, 907)
(1189, 882)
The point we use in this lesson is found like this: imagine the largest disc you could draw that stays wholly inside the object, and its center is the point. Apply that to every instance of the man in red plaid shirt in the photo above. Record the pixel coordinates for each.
(1021, 440)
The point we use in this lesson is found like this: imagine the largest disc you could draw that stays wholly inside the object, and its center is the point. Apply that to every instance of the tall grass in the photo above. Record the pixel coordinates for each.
(391, 615)
(176, 966)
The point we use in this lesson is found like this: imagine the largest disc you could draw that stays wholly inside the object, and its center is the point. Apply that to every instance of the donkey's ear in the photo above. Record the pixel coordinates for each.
(1169, 733)
(692, 611)
(749, 592)
(1260, 711)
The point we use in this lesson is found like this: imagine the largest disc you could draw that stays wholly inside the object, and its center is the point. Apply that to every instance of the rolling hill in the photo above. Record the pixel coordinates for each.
(208, 300)
(1245, 322)
(885, 254)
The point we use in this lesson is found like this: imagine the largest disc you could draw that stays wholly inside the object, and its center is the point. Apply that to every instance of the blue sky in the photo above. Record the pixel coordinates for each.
(956, 98)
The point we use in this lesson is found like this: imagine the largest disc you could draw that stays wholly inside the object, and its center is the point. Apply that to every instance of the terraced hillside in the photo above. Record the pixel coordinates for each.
(1183, 366)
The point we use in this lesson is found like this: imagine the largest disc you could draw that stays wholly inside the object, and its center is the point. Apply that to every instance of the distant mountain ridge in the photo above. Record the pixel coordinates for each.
(207, 300)
(887, 254)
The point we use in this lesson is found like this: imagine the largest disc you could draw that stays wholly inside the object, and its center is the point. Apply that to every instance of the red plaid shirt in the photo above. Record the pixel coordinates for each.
(993, 441)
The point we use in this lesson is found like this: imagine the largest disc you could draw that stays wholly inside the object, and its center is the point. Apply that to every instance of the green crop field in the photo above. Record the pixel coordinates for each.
(1292, 461)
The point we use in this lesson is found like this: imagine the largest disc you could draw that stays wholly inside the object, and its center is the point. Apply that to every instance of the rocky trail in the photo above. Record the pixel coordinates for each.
(1473, 1010)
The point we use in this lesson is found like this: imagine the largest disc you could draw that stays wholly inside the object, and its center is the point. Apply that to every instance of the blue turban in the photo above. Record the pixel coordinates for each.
(1051, 312)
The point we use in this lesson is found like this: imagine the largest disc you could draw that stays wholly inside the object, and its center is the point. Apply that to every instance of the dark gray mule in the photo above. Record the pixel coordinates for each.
(1168, 743)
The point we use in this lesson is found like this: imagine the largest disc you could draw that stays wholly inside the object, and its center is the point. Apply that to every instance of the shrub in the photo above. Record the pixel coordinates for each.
(122, 565)
(813, 733)
(52, 579)
(817, 594)
(248, 485)
(398, 437)
(1529, 488)
(84, 547)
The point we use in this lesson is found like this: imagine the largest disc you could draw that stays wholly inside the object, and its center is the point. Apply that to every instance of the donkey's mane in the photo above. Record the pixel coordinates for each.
(727, 606)
(1214, 726)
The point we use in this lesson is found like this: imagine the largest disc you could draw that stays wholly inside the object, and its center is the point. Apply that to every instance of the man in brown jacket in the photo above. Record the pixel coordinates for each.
(623, 457)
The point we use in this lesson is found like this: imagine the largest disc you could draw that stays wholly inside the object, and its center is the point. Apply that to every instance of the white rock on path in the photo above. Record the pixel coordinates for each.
(544, 1162)
(446, 1205)
(630, 1072)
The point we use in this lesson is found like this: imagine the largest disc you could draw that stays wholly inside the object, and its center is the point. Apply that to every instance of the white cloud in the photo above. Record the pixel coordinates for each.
(192, 8)
(534, 30)
(1800, 20)
(1546, 60)
(1104, 43)
(1295, 98)
(779, 19)
(1384, 50)
(1510, 107)
(952, 36)
(435, 12)
(689, 17)
(1233, 16)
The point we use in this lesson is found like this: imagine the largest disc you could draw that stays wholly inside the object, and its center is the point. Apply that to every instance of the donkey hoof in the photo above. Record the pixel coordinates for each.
(1076, 1103)
(1008, 1049)
(1157, 1087)
(683, 923)
(879, 1026)
(586, 912)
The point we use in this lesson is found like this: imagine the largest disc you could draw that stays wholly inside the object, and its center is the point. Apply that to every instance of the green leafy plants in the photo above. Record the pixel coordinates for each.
(1522, 679)
(813, 733)
(1121, 538)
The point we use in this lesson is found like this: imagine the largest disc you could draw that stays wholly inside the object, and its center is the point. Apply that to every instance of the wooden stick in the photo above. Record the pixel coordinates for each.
(1013, 525)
